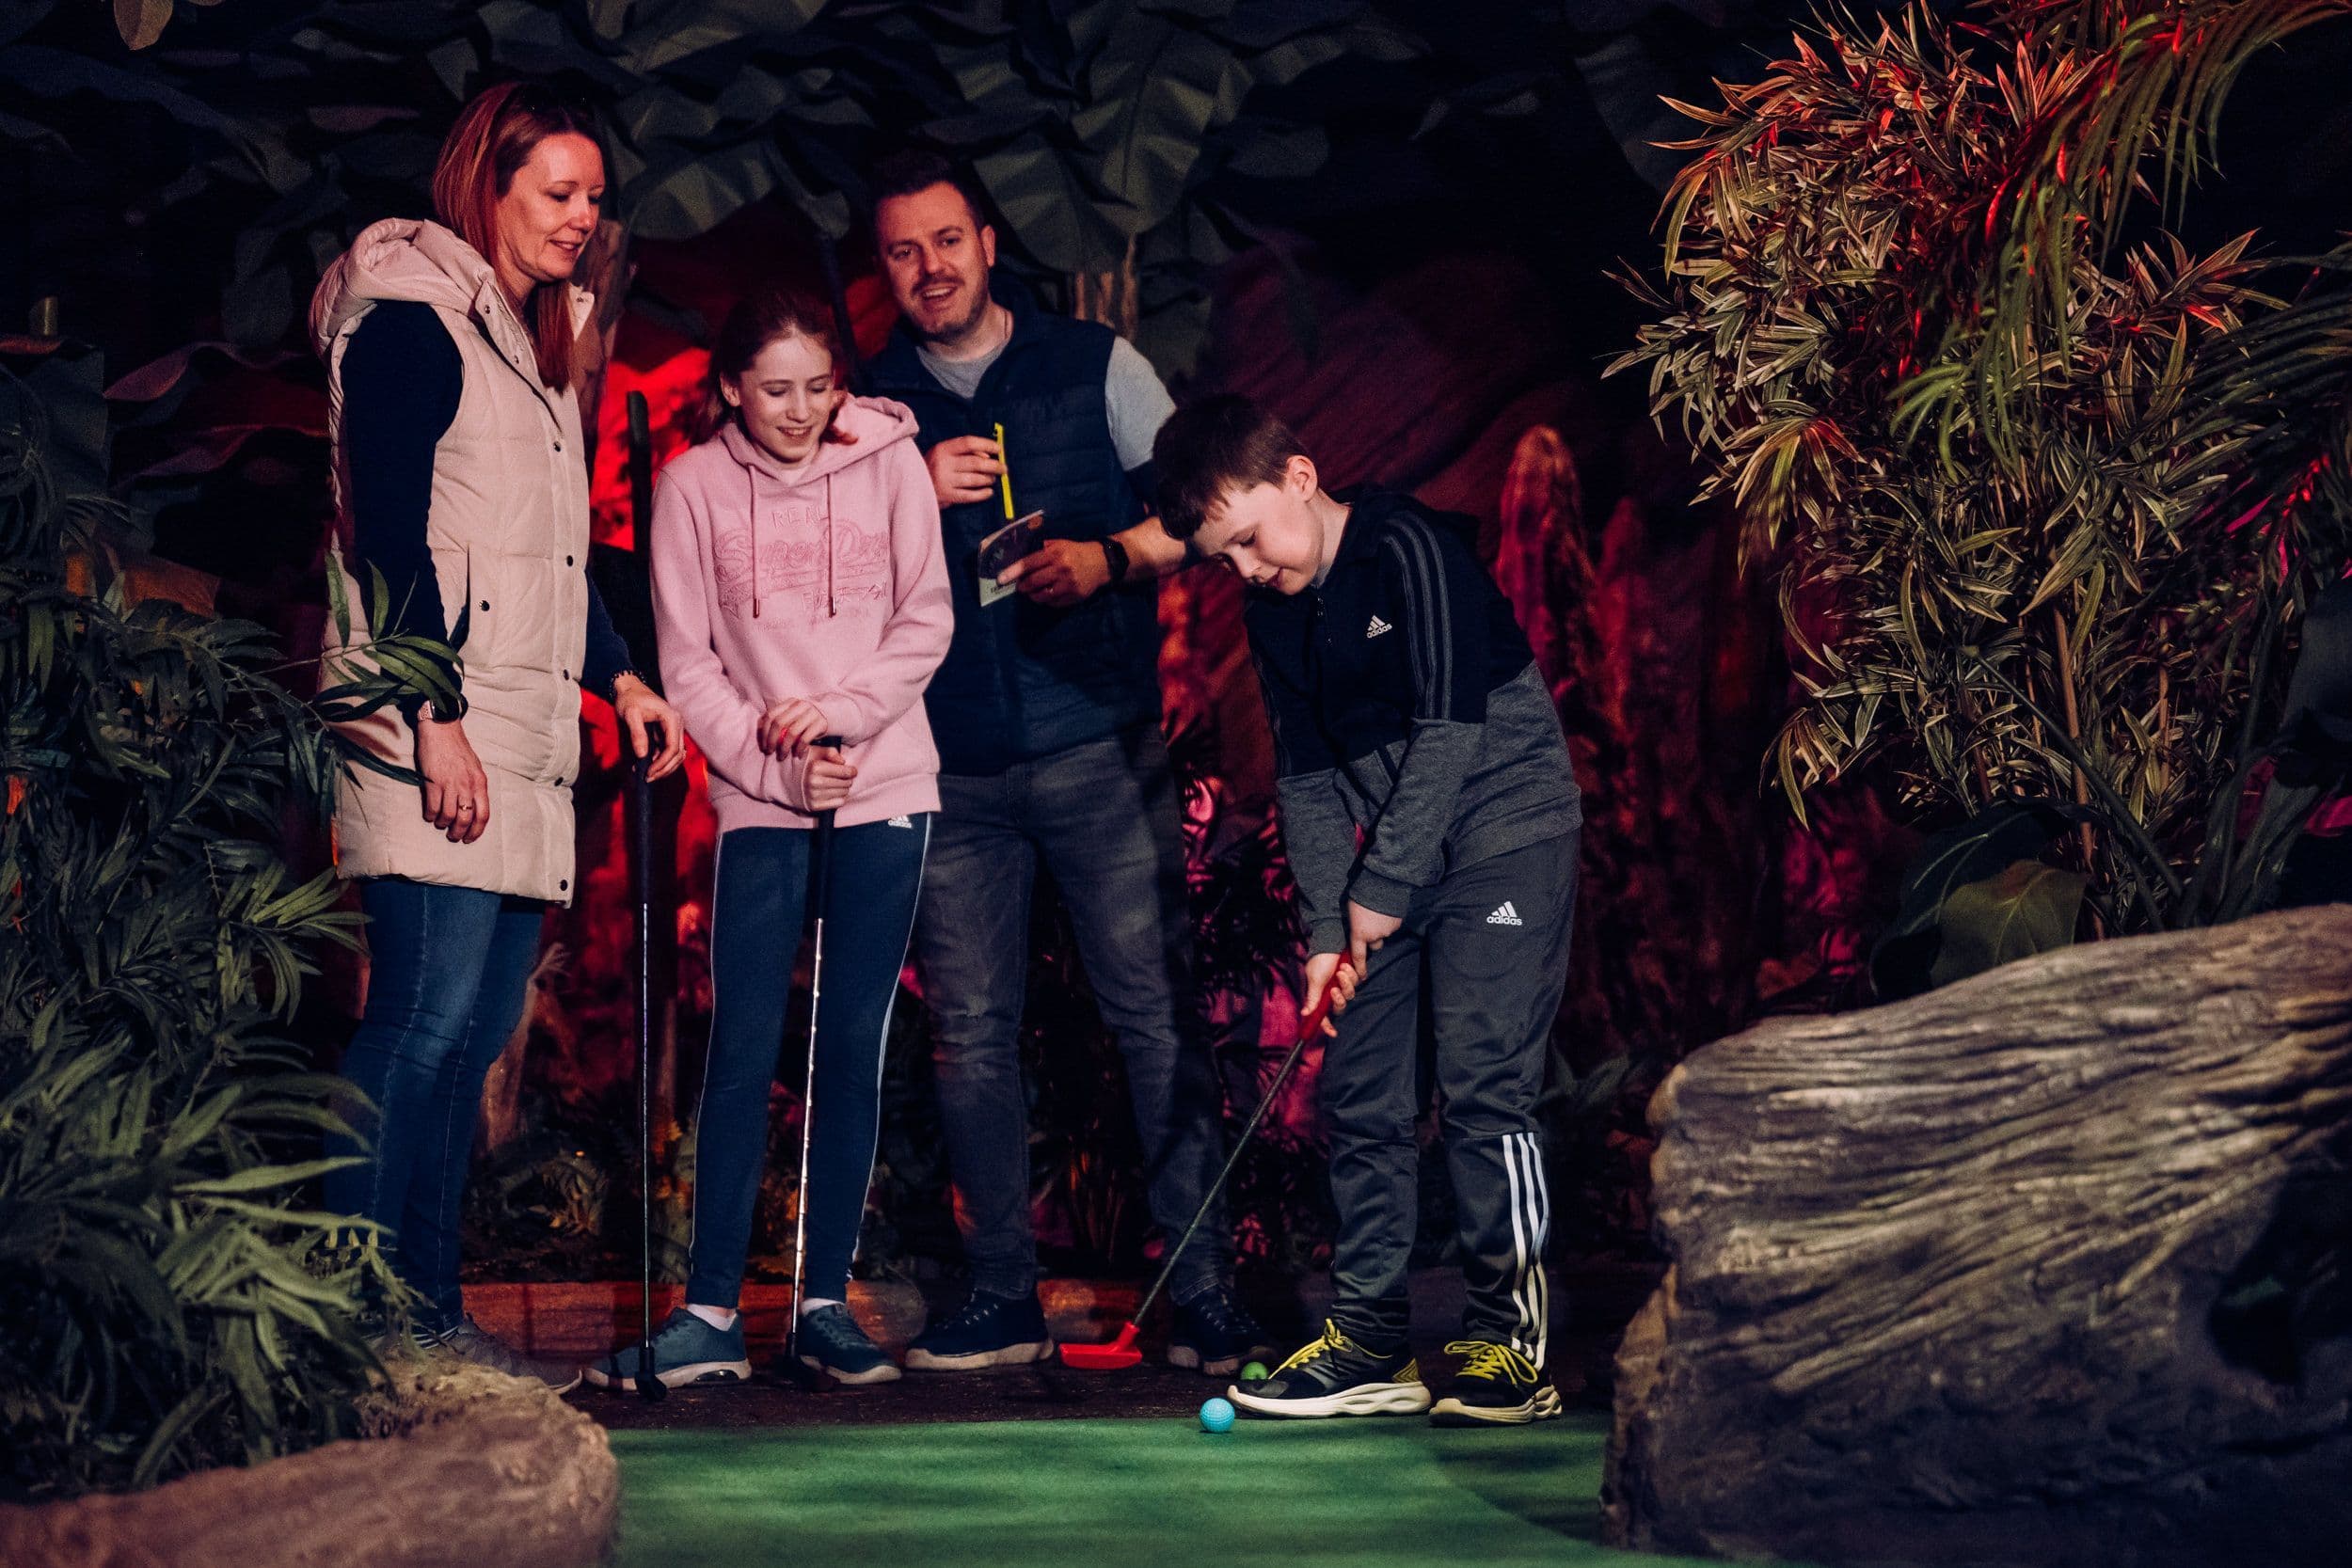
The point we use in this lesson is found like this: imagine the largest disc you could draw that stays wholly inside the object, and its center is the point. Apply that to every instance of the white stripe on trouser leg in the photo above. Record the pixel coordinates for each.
(1518, 1240)
(1542, 1241)
(1538, 1288)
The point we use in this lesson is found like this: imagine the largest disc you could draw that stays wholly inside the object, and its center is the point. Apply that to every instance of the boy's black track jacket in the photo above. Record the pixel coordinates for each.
(1406, 708)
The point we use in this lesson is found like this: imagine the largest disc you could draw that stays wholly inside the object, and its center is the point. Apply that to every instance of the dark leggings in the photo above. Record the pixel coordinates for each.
(755, 928)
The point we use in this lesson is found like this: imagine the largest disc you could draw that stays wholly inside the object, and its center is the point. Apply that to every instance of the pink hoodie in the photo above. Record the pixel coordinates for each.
(827, 583)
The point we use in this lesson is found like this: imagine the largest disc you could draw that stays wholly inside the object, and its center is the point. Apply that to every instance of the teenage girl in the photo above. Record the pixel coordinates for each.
(800, 595)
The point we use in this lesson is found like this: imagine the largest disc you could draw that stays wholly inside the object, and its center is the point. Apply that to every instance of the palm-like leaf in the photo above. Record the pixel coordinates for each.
(165, 1301)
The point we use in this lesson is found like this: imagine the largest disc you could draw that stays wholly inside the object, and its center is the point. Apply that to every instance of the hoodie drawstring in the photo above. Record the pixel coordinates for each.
(753, 474)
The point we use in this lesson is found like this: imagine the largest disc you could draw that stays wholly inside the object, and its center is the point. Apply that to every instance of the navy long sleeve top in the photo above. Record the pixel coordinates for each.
(402, 381)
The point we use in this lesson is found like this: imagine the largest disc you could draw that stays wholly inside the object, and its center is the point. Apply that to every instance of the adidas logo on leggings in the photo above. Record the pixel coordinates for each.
(1506, 916)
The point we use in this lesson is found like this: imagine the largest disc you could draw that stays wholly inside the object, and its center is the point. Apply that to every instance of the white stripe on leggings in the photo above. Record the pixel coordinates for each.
(702, 1095)
(881, 1046)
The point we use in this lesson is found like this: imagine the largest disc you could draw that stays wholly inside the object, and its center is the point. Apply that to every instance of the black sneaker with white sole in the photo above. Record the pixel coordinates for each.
(685, 1350)
(1336, 1376)
(1214, 1335)
(1498, 1386)
(830, 1341)
(986, 1331)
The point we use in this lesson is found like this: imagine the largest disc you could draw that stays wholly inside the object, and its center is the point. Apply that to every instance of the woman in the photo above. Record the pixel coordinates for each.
(461, 484)
(800, 593)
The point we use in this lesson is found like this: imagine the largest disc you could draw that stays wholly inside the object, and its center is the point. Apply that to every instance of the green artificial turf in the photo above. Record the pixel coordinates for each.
(1107, 1494)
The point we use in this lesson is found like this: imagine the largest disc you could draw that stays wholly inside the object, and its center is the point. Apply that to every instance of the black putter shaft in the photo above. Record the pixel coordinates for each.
(820, 891)
(649, 1388)
(1265, 1102)
(639, 473)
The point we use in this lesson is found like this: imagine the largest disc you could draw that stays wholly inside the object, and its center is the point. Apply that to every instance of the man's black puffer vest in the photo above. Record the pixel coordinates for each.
(1020, 680)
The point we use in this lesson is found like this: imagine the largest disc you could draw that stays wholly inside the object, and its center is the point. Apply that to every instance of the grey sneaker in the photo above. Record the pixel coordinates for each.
(831, 1341)
(402, 1346)
(470, 1342)
(685, 1350)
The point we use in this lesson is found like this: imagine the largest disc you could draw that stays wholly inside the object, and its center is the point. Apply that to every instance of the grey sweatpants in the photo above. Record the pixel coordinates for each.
(1485, 953)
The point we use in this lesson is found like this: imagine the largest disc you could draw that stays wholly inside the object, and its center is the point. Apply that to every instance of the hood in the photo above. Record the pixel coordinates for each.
(407, 259)
(878, 423)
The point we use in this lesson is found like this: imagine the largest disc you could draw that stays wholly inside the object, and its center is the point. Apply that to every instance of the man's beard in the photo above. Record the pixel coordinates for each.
(953, 330)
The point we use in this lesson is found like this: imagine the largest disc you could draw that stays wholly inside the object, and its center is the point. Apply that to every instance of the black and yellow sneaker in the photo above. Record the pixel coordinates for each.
(1498, 1386)
(1336, 1376)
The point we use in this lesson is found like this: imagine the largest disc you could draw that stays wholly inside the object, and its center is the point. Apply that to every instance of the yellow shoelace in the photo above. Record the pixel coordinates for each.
(1331, 1343)
(1485, 1358)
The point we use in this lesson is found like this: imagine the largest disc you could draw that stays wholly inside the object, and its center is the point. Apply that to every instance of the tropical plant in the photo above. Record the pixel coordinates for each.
(2050, 497)
(167, 1300)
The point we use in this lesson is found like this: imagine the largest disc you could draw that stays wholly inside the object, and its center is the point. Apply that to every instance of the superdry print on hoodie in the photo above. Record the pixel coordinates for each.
(827, 583)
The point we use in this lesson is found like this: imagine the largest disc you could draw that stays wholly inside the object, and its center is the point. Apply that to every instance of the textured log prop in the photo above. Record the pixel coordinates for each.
(2049, 1266)
(466, 1467)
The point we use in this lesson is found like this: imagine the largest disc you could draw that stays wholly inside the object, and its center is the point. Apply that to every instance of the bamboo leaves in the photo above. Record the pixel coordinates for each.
(2045, 516)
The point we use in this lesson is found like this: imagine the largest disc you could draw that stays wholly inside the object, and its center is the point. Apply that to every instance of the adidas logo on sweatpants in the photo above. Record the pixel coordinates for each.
(898, 822)
(1506, 916)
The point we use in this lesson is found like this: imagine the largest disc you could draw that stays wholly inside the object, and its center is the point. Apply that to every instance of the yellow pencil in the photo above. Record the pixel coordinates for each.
(1006, 477)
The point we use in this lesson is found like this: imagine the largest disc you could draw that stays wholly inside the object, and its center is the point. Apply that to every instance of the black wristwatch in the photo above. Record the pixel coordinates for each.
(1115, 556)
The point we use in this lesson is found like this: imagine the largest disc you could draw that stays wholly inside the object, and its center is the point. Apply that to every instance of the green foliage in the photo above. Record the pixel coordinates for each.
(1909, 954)
(2023, 908)
(2047, 517)
(166, 1301)
(2115, 103)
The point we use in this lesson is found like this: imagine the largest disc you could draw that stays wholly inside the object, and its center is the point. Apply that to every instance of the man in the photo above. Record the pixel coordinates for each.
(1046, 713)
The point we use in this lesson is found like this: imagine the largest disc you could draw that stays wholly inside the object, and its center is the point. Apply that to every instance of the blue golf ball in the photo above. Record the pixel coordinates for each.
(1217, 1416)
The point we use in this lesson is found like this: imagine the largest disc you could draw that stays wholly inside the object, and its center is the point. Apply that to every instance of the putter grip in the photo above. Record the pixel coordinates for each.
(820, 850)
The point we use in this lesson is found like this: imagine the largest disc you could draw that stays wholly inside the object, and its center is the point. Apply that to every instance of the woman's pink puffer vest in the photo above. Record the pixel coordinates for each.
(508, 528)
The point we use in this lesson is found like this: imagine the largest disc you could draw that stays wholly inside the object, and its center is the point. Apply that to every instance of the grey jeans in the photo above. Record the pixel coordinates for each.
(1103, 816)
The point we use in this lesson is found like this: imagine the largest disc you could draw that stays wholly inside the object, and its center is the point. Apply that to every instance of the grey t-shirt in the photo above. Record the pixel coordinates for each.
(1138, 405)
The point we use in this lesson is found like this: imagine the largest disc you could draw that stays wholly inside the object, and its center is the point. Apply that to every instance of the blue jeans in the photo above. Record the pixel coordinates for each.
(448, 970)
(757, 911)
(1103, 817)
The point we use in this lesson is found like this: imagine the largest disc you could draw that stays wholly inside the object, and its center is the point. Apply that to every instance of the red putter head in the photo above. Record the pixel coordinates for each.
(1124, 1352)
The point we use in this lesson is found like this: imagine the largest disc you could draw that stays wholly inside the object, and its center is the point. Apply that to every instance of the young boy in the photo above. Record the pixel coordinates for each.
(1430, 819)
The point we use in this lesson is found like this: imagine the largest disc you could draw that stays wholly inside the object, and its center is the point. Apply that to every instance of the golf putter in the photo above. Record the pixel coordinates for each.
(820, 891)
(649, 1388)
(1124, 1352)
